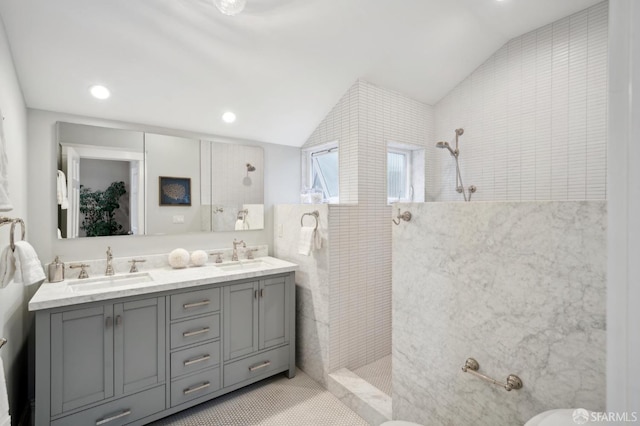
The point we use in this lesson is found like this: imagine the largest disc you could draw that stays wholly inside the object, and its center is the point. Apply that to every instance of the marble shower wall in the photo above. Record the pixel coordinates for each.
(520, 287)
(312, 285)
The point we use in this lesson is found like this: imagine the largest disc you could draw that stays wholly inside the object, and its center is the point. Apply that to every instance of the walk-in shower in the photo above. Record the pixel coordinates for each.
(455, 153)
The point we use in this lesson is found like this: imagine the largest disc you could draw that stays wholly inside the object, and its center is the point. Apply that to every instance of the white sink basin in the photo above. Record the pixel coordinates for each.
(108, 283)
(243, 265)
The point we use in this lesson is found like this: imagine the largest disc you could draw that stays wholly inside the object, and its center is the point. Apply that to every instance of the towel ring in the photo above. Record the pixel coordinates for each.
(13, 228)
(315, 215)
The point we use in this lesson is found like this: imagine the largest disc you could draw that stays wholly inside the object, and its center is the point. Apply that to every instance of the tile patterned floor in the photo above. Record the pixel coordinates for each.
(378, 373)
(276, 401)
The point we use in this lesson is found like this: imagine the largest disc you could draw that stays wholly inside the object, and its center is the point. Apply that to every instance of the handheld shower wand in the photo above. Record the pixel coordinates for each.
(455, 153)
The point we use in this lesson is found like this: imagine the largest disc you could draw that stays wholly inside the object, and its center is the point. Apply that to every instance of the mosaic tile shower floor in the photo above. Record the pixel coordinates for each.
(378, 373)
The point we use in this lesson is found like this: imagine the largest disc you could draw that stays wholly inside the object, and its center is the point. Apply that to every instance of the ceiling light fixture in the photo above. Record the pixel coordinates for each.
(230, 7)
(99, 92)
(228, 117)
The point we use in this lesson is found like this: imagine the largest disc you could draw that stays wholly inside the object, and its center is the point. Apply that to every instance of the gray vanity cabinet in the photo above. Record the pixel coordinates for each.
(105, 351)
(137, 359)
(256, 321)
(81, 357)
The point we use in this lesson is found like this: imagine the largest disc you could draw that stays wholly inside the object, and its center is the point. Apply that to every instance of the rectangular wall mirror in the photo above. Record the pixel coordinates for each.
(123, 182)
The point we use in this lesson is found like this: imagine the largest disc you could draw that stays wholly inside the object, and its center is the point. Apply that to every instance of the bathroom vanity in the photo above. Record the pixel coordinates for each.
(133, 348)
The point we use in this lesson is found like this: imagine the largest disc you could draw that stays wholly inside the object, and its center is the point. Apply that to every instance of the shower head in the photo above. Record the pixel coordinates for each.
(442, 144)
(250, 168)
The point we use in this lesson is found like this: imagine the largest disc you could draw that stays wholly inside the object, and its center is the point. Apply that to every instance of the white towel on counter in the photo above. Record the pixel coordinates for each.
(5, 418)
(309, 240)
(7, 266)
(28, 267)
(61, 191)
(5, 203)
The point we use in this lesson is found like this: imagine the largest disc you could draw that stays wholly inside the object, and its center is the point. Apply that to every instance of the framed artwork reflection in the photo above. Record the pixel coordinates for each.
(175, 191)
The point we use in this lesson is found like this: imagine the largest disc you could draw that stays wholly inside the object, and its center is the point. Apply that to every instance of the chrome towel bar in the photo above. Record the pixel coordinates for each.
(472, 366)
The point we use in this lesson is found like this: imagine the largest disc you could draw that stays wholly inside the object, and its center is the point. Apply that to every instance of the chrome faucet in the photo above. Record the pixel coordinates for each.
(109, 270)
(234, 256)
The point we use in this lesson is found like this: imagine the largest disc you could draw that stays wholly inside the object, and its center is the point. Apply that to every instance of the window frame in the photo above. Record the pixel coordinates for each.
(408, 160)
(313, 169)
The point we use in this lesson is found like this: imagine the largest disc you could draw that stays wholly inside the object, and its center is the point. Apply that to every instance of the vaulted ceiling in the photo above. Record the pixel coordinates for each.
(281, 65)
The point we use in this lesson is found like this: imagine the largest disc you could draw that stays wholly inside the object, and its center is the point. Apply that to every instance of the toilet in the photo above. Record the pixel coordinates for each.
(560, 417)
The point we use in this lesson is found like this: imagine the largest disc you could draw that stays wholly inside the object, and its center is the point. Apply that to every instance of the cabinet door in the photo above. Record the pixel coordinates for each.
(81, 357)
(240, 319)
(139, 344)
(274, 312)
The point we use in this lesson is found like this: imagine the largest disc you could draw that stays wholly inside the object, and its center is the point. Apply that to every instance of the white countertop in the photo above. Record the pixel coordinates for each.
(69, 292)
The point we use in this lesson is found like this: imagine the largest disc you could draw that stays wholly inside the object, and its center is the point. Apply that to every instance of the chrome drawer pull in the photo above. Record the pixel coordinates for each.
(195, 332)
(197, 360)
(258, 367)
(112, 418)
(197, 388)
(195, 304)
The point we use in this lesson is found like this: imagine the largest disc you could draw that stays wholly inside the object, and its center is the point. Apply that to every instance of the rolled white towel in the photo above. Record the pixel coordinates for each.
(28, 267)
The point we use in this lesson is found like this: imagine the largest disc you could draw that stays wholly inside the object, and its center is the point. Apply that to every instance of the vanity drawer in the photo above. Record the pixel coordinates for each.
(195, 386)
(119, 412)
(195, 303)
(257, 365)
(195, 359)
(195, 330)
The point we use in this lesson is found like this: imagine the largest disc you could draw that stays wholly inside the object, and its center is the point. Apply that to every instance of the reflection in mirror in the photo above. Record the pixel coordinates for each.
(225, 181)
(100, 181)
(232, 179)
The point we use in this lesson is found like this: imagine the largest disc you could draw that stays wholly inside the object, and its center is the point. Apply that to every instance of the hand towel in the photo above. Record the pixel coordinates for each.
(5, 203)
(28, 267)
(317, 241)
(307, 240)
(7, 266)
(63, 200)
(5, 418)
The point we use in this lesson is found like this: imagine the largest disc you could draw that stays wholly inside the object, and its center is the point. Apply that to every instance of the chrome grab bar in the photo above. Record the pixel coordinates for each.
(472, 366)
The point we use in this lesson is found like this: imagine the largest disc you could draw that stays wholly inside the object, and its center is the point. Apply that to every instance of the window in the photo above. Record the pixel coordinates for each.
(398, 175)
(322, 163)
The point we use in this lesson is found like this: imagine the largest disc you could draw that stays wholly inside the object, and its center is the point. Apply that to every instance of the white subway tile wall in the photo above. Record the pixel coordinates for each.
(534, 117)
(363, 122)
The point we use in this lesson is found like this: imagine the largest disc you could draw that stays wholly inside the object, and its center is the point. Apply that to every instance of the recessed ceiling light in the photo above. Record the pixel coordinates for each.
(99, 92)
(228, 117)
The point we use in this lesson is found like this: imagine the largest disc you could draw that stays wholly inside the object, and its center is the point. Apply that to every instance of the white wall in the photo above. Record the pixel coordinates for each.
(282, 185)
(171, 156)
(534, 116)
(14, 319)
(623, 269)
